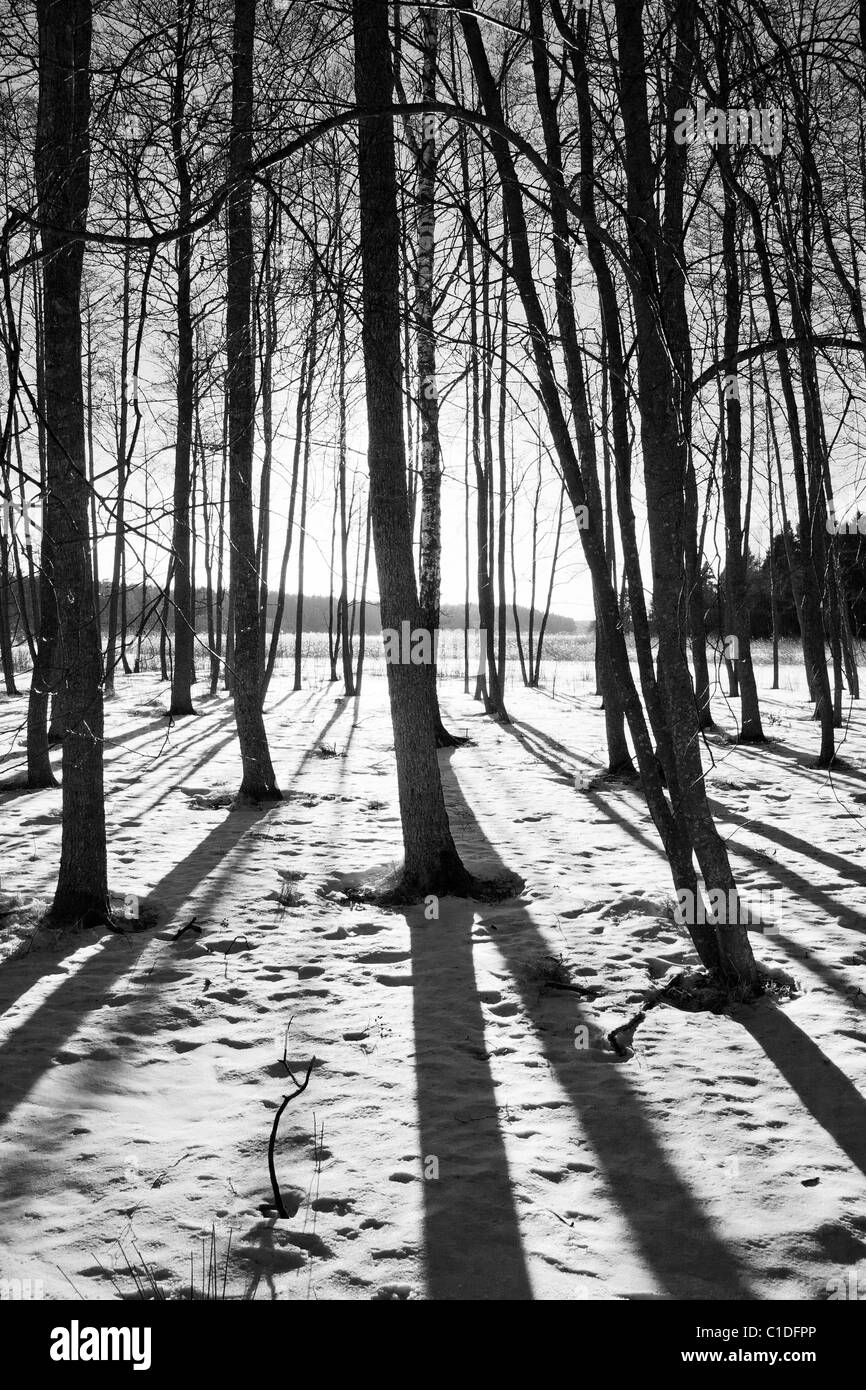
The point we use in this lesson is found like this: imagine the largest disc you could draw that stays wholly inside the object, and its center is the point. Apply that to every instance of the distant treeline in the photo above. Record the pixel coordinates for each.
(315, 612)
(851, 555)
(773, 573)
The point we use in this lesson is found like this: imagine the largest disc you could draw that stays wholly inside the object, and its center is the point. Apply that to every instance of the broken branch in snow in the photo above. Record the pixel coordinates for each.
(190, 926)
(588, 991)
(302, 1086)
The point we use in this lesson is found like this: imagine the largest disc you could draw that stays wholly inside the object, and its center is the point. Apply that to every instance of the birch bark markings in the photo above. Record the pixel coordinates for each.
(183, 656)
(430, 560)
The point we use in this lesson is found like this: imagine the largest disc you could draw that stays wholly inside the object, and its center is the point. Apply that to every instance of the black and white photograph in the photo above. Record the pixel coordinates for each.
(432, 626)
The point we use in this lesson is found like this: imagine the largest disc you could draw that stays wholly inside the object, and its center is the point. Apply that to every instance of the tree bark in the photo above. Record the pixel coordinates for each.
(302, 526)
(63, 191)
(258, 782)
(430, 559)
(305, 385)
(346, 645)
(751, 730)
(431, 863)
(662, 329)
(122, 469)
(183, 658)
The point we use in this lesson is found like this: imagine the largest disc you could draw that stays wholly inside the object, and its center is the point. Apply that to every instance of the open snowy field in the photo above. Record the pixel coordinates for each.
(467, 1131)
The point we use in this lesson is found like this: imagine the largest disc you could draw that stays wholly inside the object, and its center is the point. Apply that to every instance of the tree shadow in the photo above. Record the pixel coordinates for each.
(824, 1090)
(180, 750)
(546, 749)
(833, 979)
(31, 1048)
(472, 1238)
(676, 1239)
(777, 750)
(342, 704)
(818, 896)
(137, 732)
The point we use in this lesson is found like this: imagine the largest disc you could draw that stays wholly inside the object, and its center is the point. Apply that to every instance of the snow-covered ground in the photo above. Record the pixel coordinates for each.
(467, 1131)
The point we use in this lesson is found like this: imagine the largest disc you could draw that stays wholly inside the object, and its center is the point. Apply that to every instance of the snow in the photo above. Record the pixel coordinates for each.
(467, 1131)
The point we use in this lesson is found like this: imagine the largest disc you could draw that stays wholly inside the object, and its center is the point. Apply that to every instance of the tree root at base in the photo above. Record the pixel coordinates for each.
(401, 887)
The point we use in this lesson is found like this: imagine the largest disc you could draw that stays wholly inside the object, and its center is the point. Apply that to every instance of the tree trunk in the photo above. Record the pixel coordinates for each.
(165, 654)
(670, 825)
(696, 604)
(219, 599)
(430, 562)
(805, 580)
(267, 338)
(431, 863)
(259, 782)
(334, 619)
(736, 535)
(518, 637)
(209, 548)
(542, 627)
(5, 629)
(501, 635)
(774, 588)
(346, 645)
(62, 184)
(122, 433)
(43, 677)
(302, 526)
(751, 730)
(183, 662)
(662, 330)
(304, 386)
(362, 616)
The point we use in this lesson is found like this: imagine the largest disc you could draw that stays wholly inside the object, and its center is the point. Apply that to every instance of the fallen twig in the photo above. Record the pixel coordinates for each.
(588, 990)
(190, 926)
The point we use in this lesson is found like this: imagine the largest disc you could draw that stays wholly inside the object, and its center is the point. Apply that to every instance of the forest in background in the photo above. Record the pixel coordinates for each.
(569, 274)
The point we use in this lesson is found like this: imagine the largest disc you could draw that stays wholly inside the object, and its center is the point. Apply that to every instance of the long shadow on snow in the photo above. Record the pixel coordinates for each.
(547, 750)
(675, 1238)
(31, 1048)
(823, 1088)
(472, 1240)
(24, 1057)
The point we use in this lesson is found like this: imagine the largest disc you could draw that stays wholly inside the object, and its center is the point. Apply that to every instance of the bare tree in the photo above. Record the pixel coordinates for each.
(431, 864)
(259, 781)
(63, 185)
(183, 656)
